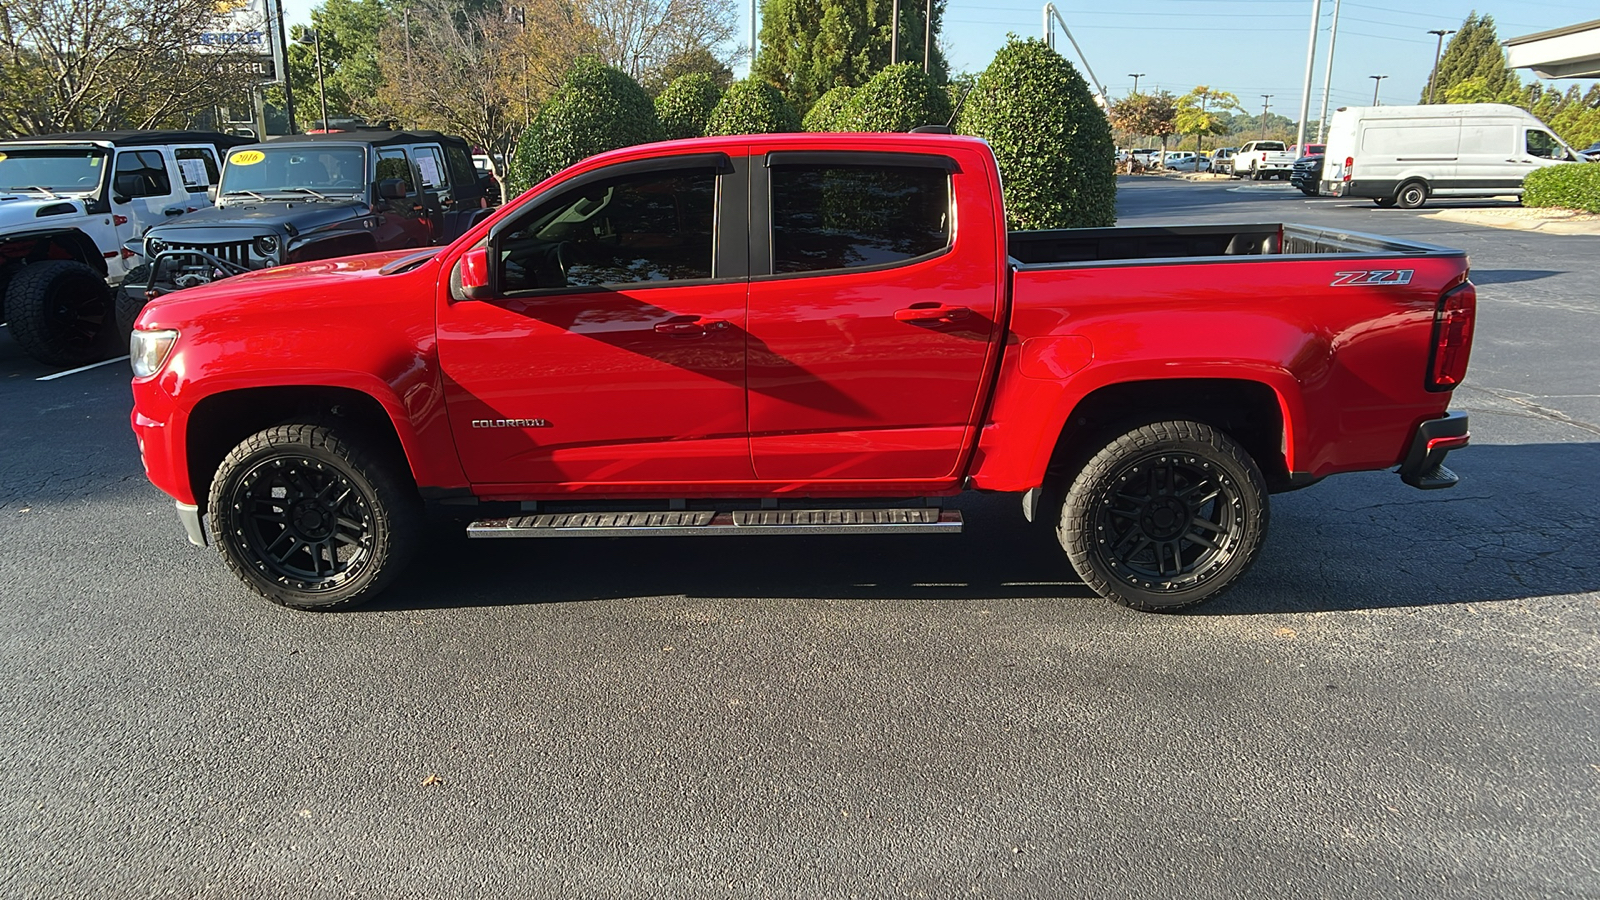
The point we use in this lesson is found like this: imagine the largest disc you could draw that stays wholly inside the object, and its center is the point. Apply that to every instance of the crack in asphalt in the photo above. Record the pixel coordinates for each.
(1537, 411)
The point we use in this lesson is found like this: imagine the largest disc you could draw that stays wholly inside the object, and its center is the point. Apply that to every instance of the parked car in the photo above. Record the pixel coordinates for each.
(1222, 160)
(638, 349)
(1307, 174)
(68, 203)
(1403, 155)
(1262, 159)
(1310, 150)
(1188, 161)
(489, 174)
(305, 197)
(1145, 156)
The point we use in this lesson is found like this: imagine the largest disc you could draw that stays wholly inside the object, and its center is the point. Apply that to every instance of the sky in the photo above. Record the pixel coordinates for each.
(1246, 47)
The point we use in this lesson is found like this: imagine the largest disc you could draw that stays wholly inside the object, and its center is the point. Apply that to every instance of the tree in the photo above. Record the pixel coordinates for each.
(1473, 53)
(648, 38)
(83, 65)
(597, 108)
(685, 107)
(753, 107)
(1147, 115)
(808, 47)
(698, 61)
(1198, 112)
(350, 33)
(1051, 140)
(824, 115)
(897, 99)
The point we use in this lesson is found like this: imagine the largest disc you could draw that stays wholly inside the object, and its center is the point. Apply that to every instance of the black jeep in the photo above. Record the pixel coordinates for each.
(314, 196)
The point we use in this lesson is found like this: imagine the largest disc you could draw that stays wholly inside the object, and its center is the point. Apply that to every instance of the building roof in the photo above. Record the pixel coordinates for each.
(1570, 52)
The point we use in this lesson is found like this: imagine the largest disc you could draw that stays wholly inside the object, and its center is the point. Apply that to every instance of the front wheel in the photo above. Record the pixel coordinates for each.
(311, 520)
(1411, 195)
(60, 312)
(1165, 516)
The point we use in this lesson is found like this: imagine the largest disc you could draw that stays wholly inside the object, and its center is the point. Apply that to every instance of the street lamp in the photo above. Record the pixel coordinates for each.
(316, 46)
(1437, 49)
(1136, 76)
(1377, 80)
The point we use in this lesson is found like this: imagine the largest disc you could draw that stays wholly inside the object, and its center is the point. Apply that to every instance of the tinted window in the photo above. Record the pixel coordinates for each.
(142, 173)
(642, 228)
(392, 164)
(461, 169)
(846, 217)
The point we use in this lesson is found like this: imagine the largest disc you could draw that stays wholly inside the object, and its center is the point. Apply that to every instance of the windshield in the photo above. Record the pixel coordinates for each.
(59, 169)
(302, 171)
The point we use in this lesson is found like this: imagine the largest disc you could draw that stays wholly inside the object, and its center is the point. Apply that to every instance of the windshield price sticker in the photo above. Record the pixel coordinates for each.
(2, 157)
(247, 157)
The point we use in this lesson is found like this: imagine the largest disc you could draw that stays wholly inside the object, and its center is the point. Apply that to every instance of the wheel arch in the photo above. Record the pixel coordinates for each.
(58, 243)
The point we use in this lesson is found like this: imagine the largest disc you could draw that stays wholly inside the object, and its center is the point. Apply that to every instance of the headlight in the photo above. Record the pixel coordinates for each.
(152, 246)
(267, 245)
(147, 350)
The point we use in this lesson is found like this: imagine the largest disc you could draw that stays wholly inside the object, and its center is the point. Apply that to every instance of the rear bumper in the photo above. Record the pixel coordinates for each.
(1424, 463)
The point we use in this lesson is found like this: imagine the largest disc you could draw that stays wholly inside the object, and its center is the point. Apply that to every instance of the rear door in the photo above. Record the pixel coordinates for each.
(871, 314)
(403, 221)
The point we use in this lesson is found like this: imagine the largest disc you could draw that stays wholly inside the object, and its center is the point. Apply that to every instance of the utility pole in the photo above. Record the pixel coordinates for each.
(927, 38)
(1265, 100)
(1311, 60)
(1377, 80)
(894, 35)
(1437, 50)
(1327, 76)
(281, 51)
(1136, 76)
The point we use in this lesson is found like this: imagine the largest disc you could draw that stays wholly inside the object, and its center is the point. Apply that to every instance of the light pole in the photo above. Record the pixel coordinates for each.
(927, 37)
(1311, 58)
(1327, 73)
(1377, 81)
(1265, 99)
(322, 90)
(1136, 76)
(1437, 50)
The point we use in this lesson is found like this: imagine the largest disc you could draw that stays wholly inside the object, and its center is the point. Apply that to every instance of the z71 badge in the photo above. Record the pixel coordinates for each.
(1376, 276)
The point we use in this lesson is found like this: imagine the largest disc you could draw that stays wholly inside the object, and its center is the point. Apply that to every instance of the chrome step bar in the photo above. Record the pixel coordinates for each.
(695, 523)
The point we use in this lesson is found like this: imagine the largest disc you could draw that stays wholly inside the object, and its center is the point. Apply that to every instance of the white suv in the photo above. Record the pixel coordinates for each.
(69, 206)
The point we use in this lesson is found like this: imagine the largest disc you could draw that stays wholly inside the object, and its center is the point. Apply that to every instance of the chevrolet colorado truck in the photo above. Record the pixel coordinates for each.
(796, 334)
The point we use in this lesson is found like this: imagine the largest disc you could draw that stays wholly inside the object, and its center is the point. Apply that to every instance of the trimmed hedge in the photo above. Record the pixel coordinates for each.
(897, 99)
(1053, 143)
(752, 107)
(1570, 186)
(685, 107)
(825, 113)
(597, 108)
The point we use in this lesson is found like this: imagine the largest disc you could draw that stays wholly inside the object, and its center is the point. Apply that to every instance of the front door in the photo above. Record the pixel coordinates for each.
(869, 338)
(402, 221)
(613, 353)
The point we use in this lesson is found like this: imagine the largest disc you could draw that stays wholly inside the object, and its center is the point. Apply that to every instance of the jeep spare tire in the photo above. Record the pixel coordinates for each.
(59, 311)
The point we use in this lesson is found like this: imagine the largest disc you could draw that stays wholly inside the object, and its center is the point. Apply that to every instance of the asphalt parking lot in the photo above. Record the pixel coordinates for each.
(1399, 700)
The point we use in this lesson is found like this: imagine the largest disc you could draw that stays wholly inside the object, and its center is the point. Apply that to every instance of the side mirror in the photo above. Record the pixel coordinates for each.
(475, 274)
(391, 189)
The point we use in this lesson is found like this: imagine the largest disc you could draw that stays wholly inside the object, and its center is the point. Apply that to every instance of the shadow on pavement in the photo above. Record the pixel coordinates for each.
(1353, 542)
(1510, 276)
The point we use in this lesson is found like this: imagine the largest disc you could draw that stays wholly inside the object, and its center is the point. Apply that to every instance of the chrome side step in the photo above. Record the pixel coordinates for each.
(739, 522)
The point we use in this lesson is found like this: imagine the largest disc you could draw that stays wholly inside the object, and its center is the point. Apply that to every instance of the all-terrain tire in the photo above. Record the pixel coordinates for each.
(1165, 516)
(59, 311)
(314, 520)
(129, 303)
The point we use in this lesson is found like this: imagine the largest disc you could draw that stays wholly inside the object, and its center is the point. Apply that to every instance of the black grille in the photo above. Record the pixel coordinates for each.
(237, 252)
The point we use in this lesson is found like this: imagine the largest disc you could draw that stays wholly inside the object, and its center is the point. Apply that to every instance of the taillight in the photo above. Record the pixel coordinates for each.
(1452, 337)
(1349, 166)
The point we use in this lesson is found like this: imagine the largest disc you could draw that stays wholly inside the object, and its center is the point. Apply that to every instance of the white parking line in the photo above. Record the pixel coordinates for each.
(123, 358)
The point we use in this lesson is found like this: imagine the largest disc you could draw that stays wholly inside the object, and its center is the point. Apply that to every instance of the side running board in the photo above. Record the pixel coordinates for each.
(707, 522)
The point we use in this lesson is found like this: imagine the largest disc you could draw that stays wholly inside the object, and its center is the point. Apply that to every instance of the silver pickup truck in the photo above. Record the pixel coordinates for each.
(1263, 159)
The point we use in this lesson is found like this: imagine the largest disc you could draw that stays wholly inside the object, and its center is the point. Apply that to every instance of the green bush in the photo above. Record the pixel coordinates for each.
(897, 99)
(1571, 186)
(753, 107)
(597, 108)
(685, 107)
(824, 114)
(1053, 143)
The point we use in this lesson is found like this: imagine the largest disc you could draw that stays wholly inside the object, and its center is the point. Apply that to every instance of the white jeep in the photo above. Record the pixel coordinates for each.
(69, 203)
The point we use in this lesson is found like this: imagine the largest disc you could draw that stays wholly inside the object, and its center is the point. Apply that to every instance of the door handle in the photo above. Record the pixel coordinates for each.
(932, 314)
(173, 211)
(691, 327)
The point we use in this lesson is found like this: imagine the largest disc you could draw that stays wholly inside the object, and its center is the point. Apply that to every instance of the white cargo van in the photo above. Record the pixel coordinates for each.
(1402, 155)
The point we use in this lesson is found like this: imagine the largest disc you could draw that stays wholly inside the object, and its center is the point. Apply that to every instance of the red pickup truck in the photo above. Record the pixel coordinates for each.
(797, 334)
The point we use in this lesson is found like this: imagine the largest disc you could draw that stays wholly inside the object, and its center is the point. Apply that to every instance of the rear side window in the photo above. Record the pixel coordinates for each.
(431, 166)
(198, 166)
(855, 216)
(462, 172)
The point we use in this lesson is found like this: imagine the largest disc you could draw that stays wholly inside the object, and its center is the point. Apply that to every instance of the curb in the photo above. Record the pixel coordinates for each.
(1555, 221)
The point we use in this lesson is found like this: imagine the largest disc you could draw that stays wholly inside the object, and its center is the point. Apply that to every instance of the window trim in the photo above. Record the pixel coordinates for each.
(762, 262)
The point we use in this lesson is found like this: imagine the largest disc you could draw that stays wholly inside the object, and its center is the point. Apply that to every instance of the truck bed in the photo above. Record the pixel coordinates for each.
(1141, 245)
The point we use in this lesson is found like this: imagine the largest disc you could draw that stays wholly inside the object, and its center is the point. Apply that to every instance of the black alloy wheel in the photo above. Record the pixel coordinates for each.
(60, 313)
(1165, 516)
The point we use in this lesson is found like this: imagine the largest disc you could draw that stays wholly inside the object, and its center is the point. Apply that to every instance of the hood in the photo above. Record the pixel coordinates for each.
(290, 217)
(19, 211)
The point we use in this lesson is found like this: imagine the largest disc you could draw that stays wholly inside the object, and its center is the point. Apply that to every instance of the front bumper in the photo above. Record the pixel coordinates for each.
(1424, 463)
(189, 515)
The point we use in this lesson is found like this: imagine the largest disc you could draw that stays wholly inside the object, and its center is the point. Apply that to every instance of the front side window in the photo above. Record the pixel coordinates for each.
(634, 229)
(393, 164)
(1543, 145)
(853, 216)
(142, 173)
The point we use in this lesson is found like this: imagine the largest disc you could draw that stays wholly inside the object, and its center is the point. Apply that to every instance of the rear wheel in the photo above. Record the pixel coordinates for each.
(1165, 516)
(1411, 195)
(1384, 202)
(311, 520)
(60, 313)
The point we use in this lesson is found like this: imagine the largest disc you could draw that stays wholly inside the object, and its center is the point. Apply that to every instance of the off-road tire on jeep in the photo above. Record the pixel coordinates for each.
(1165, 516)
(129, 303)
(314, 520)
(59, 311)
